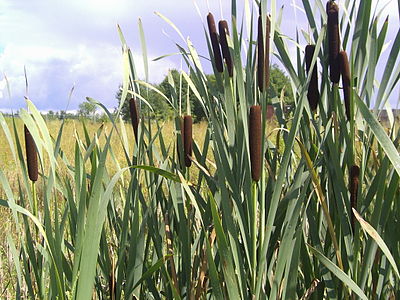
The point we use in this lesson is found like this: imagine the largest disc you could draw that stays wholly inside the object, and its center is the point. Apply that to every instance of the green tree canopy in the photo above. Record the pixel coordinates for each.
(87, 109)
(173, 82)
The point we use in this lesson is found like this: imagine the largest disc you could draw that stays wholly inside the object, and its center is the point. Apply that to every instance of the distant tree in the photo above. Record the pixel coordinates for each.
(278, 82)
(87, 109)
(160, 107)
(61, 115)
(50, 115)
(171, 85)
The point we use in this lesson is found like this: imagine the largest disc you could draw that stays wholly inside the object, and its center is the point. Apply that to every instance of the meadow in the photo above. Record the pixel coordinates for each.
(235, 207)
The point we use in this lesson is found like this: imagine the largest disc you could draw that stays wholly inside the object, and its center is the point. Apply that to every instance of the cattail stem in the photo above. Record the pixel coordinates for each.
(353, 186)
(332, 11)
(255, 135)
(346, 78)
(135, 118)
(313, 93)
(223, 32)
(34, 199)
(214, 43)
(254, 234)
(187, 139)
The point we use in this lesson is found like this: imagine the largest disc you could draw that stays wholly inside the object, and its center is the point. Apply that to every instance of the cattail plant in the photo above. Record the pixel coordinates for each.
(263, 56)
(313, 93)
(223, 32)
(353, 186)
(333, 40)
(134, 116)
(214, 43)
(31, 155)
(187, 139)
(345, 71)
(255, 141)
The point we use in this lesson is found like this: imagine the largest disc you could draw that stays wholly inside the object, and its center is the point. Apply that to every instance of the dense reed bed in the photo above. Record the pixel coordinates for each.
(309, 212)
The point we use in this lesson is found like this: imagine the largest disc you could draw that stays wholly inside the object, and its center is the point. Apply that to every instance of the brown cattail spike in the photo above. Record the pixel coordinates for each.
(263, 56)
(255, 135)
(134, 116)
(214, 43)
(223, 32)
(354, 175)
(187, 139)
(346, 77)
(333, 40)
(313, 93)
(31, 155)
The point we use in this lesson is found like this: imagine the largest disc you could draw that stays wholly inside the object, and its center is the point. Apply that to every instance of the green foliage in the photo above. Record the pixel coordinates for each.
(279, 83)
(87, 109)
(163, 111)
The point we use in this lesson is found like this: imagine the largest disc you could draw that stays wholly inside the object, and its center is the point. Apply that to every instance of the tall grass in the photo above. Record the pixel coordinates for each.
(248, 216)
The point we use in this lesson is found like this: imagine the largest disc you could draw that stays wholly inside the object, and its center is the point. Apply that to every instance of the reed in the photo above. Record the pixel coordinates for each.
(313, 93)
(255, 135)
(214, 43)
(134, 113)
(346, 77)
(260, 218)
(31, 155)
(332, 11)
(187, 139)
(223, 32)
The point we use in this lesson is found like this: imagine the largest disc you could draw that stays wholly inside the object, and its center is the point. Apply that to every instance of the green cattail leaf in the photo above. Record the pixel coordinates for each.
(8, 135)
(226, 254)
(374, 234)
(338, 273)
(152, 269)
(148, 85)
(385, 142)
(171, 24)
(163, 173)
(144, 49)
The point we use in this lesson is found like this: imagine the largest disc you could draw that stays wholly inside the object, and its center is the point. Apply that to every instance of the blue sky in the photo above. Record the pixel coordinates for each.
(65, 43)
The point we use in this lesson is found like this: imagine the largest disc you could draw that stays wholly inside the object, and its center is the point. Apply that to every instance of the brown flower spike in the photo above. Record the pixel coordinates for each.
(223, 32)
(346, 77)
(332, 11)
(31, 155)
(313, 93)
(263, 74)
(214, 43)
(255, 136)
(354, 175)
(134, 117)
(187, 139)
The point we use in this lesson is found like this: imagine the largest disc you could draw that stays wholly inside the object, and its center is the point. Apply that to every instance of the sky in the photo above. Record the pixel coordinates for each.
(74, 43)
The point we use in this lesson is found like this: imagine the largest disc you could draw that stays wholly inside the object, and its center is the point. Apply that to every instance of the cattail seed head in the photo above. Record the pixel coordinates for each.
(134, 116)
(178, 149)
(263, 72)
(345, 70)
(313, 93)
(31, 155)
(255, 135)
(214, 43)
(223, 32)
(333, 40)
(187, 139)
(353, 186)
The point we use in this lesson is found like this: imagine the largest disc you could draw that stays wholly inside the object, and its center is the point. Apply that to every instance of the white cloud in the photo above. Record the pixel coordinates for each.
(51, 72)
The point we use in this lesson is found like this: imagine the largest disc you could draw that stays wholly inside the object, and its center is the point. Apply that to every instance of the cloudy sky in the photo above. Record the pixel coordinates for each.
(66, 43)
